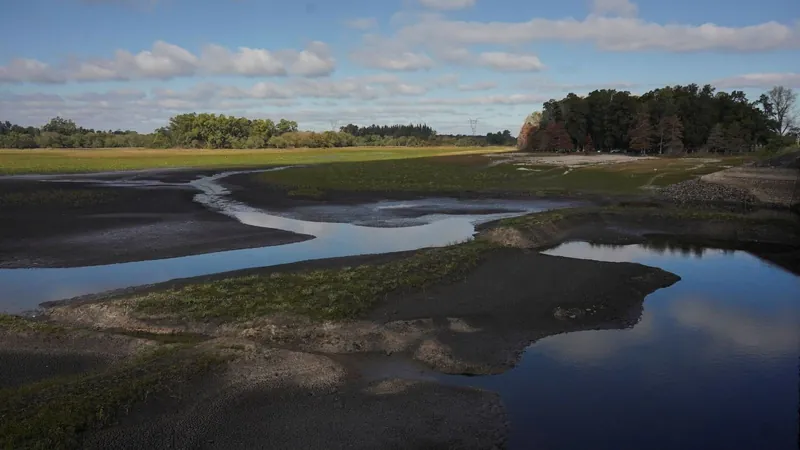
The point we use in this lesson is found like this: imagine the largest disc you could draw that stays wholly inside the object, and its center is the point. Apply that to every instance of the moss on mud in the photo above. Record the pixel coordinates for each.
(55, 412)
(329, 294)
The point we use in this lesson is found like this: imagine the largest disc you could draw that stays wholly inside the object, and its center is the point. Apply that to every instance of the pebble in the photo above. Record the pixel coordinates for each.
(696, 191)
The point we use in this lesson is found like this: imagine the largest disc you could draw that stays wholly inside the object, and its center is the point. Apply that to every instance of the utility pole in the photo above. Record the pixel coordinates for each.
(473, 124)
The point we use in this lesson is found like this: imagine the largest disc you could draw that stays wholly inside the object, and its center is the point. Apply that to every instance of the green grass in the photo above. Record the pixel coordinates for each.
(74, 161)
(17, 324)
(52, 414)
(69, 198)
(472, 173)
(331, 294)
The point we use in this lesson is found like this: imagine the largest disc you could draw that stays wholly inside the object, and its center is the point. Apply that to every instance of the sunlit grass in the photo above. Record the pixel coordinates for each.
(473, 173)
(96, 160)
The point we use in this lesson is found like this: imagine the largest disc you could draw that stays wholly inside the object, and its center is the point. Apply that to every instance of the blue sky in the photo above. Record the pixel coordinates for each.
(134, 63)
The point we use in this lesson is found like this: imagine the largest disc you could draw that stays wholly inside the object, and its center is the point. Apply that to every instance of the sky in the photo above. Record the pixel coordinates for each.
(132, 64)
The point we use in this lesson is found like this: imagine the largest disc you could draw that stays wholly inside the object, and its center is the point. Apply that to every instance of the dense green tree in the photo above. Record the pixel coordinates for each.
(610, 118)
(673, 129)
(717, 142)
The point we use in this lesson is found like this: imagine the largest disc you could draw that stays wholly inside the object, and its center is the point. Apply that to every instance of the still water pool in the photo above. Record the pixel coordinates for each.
(714, 363)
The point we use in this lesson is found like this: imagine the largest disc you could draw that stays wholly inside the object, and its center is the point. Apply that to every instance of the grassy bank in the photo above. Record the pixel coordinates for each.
(53, 413)
(475, 173)
(331, 294)
(96, 160)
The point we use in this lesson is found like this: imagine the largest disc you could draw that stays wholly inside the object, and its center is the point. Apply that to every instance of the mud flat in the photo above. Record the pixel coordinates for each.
(80, 223)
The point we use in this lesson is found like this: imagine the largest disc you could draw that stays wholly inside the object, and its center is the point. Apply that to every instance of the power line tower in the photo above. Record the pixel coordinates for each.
(473, 124)
(334, 125)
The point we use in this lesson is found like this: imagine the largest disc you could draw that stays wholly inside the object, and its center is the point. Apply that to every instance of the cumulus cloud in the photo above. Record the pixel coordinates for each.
(362, 23)
(760, 80)
(623, 8)
(166, 61)
(21, 70)
(447, 5)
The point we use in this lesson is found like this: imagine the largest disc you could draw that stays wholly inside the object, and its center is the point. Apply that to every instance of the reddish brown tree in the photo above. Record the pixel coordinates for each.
(641, 134)
(525, 140)
(559, 137)
(542, 141)
(588, 145)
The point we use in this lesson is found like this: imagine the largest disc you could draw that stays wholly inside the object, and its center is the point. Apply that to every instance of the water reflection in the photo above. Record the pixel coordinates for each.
(664, 246)
(713, 363)
(24, 289)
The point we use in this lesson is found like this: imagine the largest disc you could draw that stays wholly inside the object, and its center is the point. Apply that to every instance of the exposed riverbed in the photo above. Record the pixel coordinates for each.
(708, 361)
(337, 230)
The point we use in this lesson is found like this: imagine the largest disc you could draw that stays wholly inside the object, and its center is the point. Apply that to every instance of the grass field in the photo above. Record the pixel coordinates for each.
(97, 160)
(475, 173)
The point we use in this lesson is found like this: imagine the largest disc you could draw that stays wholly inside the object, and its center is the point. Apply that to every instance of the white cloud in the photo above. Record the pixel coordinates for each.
(21, 70)
(509, 62)
(499, 99)
(753, 334)
(246, 61)
(541, 84)
(165, 61)
(360, 88)
(479, 86)
(447, 5)
(362, 23)
(623, 8)
(760, 80)
(115, 95)
(314, 61)
(606, 33)
(404, 61)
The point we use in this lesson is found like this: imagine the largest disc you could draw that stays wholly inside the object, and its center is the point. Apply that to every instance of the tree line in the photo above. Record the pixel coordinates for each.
(669, 120)
(219, 132)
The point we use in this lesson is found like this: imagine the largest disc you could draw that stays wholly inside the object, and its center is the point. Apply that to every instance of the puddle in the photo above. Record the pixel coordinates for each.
(378, 227)
(714, 362)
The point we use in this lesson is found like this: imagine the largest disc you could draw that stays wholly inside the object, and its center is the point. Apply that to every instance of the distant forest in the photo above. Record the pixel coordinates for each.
(219, 131)
(674, 119)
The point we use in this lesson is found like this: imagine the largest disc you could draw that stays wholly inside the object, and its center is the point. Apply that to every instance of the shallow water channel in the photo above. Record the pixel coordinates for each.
(346, 230)
(714, 362)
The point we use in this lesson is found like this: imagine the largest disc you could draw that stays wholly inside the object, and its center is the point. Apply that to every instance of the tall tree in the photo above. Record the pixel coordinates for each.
(782, 101)
(735, 138)
(641, 134)
(559, 138)
(588, 144)
(674, 134)
(717, 142)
